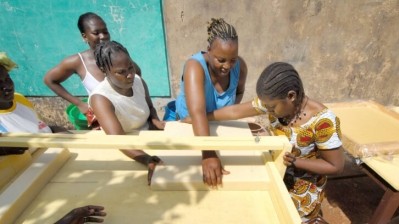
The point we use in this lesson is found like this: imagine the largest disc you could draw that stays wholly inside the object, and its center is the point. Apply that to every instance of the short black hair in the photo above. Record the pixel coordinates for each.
(86, 17)
(277, 80)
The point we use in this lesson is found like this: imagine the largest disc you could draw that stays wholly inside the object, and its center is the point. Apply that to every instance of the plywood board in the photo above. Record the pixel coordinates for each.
(11, 166)
(109, 178)
(366, 124)
(370, 131)
(143, 142)
(183, 170)
(386, 167)
(17, 195)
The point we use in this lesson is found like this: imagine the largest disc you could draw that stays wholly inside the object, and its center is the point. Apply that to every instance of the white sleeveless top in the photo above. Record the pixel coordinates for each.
(21, 117)
(132, 112)
(89, 82)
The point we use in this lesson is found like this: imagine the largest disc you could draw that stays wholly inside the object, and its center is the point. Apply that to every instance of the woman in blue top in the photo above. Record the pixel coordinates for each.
(212, 80)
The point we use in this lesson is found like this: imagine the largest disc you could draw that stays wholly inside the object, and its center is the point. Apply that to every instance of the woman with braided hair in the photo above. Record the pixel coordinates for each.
(93, 30)
(121, 103)
(311, 127)
(211, 80)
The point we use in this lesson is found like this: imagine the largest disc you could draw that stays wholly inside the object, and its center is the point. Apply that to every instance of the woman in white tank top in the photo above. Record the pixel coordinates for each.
(121, 103)
(93, 30)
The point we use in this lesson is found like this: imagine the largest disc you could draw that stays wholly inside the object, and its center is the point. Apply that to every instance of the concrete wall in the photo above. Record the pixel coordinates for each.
(343, 50)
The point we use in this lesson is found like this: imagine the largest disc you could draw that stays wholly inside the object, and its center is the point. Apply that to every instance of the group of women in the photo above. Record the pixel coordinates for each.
(212, 87)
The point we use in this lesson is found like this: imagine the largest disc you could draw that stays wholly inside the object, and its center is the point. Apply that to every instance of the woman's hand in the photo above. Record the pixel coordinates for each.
(83, 107)
(151, 162)
(289, 159)
(213, 171)
(83, 215)
(157, 124)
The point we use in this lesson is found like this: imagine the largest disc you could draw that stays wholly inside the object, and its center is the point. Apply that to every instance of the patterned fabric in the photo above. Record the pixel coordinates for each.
(321, 132)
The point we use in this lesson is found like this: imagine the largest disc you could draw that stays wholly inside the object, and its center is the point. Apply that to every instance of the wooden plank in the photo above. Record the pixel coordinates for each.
(386, 167)
(17, 196)
(183, 171)
(111, 179)
(11, 166)
(144, 142)
(282, 201)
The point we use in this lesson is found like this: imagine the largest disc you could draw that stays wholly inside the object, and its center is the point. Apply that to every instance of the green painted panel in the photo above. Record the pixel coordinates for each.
(38, 34)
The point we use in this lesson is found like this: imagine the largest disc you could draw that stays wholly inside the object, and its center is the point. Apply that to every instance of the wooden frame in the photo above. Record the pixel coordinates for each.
(280, 208)
(370, 134)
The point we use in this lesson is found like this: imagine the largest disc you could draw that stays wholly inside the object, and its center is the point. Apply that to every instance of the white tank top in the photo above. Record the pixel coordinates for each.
(132, 112)
(89, 82)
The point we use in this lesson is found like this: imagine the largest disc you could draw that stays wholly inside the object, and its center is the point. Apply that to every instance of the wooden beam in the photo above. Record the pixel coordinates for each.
(144, 142)
(17, 196)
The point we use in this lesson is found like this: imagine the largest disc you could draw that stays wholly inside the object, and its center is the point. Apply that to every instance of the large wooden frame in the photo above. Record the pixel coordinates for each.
(271, 206)
(371, 134)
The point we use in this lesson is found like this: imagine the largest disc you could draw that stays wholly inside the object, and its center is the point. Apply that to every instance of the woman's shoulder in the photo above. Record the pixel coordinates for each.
(322, 112)
(71, 62)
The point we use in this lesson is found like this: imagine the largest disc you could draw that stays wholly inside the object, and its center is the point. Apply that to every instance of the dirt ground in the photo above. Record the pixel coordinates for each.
(351, 197)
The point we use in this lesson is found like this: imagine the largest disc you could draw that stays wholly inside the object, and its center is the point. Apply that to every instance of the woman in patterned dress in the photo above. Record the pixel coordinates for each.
(313, 130)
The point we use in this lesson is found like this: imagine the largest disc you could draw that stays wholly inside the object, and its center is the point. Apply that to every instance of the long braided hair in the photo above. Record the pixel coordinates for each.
(277, 80)
(218, 28)
(103, 53)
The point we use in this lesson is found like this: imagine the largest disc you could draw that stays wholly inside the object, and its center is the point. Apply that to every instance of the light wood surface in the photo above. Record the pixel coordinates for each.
(11, 166)
(18, 194)
(143, 142)
(387, 167)
(371, 132)
(183, 171)
(109, 178)
(367, 124)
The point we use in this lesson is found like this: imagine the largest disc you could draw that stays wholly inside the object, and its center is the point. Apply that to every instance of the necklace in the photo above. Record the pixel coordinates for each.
(297, 116)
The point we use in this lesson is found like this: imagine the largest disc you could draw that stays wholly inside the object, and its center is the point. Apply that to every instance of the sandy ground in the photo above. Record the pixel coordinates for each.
(351, 197)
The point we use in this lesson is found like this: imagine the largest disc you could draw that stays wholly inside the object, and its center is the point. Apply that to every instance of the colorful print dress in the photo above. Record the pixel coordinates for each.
(321, 132)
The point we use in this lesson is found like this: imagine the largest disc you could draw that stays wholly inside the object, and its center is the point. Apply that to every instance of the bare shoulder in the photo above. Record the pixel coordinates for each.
(242, 61)
(315, 106)
(193, 68)
(72, 61)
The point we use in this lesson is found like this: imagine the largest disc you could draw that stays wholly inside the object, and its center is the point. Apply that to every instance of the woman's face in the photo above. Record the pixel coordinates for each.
(6, 86)
(122, 71)
(222, 56)
(279, 108)
(95, 32)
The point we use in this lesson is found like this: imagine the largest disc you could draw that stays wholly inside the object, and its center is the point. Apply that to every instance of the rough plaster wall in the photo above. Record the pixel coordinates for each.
(343, 50)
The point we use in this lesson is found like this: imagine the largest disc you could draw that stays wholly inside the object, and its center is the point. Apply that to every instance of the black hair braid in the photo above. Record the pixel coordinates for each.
(277, 80)
(218, 28)
(103, 53)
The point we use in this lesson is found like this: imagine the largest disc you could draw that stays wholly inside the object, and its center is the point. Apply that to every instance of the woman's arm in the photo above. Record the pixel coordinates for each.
(194, 79)
(153, 118)
(330, 162)
(59, 74)
(233, 112)
(241, 81)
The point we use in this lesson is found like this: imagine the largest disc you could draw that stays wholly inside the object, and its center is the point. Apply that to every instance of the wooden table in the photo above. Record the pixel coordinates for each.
(371, 134)
(107, 177)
